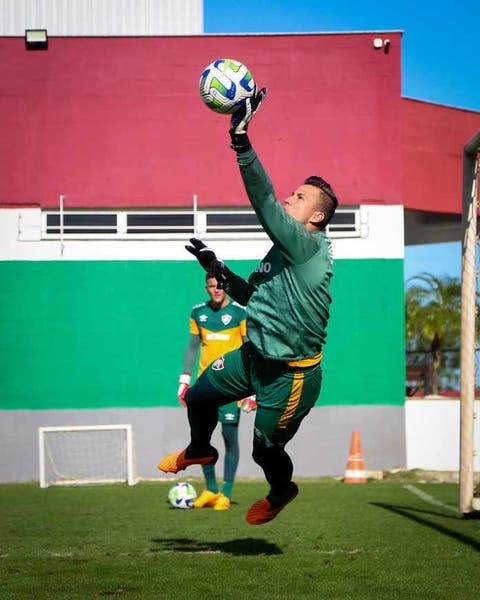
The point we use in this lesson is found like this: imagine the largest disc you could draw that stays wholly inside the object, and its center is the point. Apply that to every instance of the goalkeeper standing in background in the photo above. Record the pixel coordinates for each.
(287, 301)
(218, 326)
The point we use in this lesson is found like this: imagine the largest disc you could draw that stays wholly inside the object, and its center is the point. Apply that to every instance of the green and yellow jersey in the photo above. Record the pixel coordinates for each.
(219, 330)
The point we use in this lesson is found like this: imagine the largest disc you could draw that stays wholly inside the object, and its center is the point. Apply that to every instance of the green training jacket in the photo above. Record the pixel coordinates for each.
(287, 296)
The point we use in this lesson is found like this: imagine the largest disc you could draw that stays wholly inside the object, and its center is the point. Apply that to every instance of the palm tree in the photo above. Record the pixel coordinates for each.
(432, 306)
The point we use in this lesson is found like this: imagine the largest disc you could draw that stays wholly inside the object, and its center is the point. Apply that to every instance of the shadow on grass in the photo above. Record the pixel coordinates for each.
(412, 514)
(240, 547)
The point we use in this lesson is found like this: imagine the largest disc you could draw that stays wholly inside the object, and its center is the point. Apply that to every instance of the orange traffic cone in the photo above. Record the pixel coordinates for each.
(355, 471)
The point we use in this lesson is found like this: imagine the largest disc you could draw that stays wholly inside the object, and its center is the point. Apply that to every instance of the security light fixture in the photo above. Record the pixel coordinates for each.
(36, 39)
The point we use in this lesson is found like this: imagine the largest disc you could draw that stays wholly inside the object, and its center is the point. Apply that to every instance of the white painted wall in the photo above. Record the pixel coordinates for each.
(382, 234)
(432, 429)
(102, 17)
(20, 239)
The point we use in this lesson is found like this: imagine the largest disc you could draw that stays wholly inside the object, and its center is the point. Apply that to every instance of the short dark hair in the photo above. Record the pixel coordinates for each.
(329, 200)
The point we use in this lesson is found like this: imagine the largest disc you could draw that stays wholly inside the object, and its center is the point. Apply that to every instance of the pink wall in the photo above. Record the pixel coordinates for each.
(113, 122)
(433, 141)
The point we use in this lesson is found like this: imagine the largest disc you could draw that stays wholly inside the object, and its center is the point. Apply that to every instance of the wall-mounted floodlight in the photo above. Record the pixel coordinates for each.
(381, 43)
(36, 39)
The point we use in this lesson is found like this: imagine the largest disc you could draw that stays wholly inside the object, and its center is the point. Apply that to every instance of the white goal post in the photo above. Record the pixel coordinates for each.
(469, 504)
(84, 454)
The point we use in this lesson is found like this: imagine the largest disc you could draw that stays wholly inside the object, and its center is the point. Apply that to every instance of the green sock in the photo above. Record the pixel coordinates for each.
(232, 454)
(227, 489)
(210, 479)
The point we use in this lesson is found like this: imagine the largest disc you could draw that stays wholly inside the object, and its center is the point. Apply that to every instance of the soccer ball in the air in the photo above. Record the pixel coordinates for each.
(182, 495)
(224, 84)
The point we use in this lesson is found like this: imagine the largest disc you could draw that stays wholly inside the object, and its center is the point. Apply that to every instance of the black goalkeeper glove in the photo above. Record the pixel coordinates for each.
(208, 260)
(241, 118)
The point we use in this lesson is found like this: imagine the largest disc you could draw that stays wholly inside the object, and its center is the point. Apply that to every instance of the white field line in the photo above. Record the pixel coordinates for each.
(430, 499)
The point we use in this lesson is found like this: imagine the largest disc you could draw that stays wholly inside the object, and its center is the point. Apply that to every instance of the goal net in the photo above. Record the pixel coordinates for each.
(86, 455)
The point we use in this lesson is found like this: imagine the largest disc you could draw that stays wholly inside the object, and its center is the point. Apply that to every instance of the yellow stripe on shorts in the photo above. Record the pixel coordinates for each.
(293, 401)
(306, 362)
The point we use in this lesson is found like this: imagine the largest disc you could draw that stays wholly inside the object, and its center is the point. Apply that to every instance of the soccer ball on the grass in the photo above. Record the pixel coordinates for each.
(224, 84)
(182, 495)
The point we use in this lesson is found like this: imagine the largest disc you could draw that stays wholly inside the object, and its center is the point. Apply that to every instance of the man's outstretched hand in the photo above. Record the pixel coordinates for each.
(209, 261)
(241, 119)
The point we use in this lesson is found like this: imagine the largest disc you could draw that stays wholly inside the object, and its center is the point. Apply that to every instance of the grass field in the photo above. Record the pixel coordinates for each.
(380, 540)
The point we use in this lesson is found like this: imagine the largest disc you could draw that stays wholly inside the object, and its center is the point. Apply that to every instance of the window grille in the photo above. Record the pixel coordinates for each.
(175, 224)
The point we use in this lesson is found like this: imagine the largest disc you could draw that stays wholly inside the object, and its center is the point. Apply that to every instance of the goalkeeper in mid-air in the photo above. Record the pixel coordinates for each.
(287, 300)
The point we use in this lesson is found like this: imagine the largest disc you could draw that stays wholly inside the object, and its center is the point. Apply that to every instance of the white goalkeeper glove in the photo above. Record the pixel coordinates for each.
(183, 387)
(241, 118)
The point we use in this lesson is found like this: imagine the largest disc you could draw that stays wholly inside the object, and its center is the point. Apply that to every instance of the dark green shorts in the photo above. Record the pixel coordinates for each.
(285, 395)
(229, 413)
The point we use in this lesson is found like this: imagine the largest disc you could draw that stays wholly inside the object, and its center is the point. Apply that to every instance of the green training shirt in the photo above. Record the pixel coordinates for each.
(288, 293)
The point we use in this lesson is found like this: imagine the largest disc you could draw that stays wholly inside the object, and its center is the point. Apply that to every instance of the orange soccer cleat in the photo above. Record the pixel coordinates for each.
(175, 462)
(262, 511)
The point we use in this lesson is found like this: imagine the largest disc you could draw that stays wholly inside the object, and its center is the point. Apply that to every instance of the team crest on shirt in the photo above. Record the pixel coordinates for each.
(218, 364)
(226, 319)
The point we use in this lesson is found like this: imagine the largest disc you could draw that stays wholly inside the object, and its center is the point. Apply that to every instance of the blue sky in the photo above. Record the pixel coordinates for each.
(440, 61)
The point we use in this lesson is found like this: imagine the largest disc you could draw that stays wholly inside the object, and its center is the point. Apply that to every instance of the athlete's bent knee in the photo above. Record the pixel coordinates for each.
(202, 393)
(262, 453)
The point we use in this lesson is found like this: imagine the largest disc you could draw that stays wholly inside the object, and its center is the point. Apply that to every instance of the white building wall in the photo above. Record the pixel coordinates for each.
(432, 429)
(102, 17)
(21, 239)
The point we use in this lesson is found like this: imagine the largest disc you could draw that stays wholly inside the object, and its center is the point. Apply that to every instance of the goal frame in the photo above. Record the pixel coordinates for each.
(468, 504)
(130, 478)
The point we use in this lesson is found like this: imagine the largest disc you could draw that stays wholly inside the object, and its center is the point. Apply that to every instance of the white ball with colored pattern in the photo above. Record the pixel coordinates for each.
(182, 495)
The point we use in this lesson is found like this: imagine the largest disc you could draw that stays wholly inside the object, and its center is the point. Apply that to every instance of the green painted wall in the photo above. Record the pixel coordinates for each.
(364, 359)
(111, 334)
